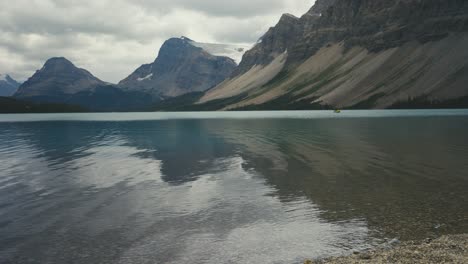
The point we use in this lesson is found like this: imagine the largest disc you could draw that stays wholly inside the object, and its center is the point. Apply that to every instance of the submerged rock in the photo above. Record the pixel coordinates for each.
(394, 242)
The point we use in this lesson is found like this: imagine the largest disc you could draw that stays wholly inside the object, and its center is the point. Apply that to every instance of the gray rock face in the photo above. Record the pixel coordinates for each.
(180, 68)
(356, 53)
(8, 85)
(276, 41)
(58, 78)
(374, 24)
(320, 7)
(381, 24)
(282, 37)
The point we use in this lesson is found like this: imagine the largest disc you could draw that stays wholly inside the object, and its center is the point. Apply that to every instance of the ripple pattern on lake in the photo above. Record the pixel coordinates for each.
(277, 189)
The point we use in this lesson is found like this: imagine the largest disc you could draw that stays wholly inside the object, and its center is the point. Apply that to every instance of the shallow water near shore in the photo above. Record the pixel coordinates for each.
(243, 187)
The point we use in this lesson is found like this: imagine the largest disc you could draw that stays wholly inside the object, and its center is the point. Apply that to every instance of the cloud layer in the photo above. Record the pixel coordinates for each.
(113, 37)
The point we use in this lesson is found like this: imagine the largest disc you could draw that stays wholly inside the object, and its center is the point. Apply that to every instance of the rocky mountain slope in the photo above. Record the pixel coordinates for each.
(354, 54)
(60, 81)
(184, 66)
(8, 85)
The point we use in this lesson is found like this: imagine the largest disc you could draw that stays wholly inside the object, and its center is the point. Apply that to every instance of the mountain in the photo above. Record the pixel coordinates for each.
(184, 66)
(8, 85)
(57, 79)
(60, 81)
(355, 54)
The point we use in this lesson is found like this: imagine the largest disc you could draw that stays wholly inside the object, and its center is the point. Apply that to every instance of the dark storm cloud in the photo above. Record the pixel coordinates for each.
(112, 38)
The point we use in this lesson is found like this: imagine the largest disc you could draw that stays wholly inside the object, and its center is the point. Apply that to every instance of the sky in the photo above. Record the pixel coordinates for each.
(111, 38)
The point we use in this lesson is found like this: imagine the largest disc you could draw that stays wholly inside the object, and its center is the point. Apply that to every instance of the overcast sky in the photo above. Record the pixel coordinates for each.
(111, 38)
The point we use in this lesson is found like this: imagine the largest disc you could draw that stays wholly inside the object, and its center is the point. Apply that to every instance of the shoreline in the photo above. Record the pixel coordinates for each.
(445, 249)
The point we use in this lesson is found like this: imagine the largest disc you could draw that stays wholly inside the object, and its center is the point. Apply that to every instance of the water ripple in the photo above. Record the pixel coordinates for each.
(204, 188)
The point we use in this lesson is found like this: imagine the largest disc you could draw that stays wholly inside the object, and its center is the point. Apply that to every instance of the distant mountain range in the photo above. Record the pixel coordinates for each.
(8, 85)
(60, 81)
(182, 66)
(349, 54)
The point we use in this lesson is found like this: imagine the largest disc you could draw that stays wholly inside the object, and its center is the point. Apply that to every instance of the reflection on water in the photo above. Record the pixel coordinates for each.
(221, 190)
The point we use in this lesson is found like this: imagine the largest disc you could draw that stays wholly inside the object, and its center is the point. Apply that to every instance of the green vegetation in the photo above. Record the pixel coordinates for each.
(424, 102)
(178, 104)
(369, 103)
(278, 79)
(186, 103)
(286, 102)
(10, 105)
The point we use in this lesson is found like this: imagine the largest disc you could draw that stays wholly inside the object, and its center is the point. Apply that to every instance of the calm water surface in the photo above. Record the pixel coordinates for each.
(264, 187)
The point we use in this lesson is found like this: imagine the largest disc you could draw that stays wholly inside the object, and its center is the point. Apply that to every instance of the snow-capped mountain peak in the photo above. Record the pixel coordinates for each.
(3, 77)
(8, 85)
(7, 78)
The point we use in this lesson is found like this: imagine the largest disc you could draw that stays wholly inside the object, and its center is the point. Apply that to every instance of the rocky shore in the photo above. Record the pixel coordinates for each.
(446, 249)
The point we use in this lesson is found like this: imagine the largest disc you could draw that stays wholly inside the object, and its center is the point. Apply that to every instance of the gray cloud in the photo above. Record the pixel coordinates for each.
(113, 37)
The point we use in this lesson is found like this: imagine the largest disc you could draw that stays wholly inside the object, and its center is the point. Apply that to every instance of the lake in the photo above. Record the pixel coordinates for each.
(241, 187)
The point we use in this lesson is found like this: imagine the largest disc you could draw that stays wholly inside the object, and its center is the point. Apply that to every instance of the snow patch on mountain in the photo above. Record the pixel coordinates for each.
(8, 85)
(145, 78)
(233, 51)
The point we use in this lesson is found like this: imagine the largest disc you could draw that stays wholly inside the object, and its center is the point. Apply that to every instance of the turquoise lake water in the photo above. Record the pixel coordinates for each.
(240, 187)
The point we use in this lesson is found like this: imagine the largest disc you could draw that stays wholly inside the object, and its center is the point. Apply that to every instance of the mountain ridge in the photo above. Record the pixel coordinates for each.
(59, 81)
(353, 54)
(58, 77)
(181, 67)
(343, 53)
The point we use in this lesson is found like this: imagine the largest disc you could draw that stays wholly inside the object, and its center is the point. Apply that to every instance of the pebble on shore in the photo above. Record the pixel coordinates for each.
(447, 249)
